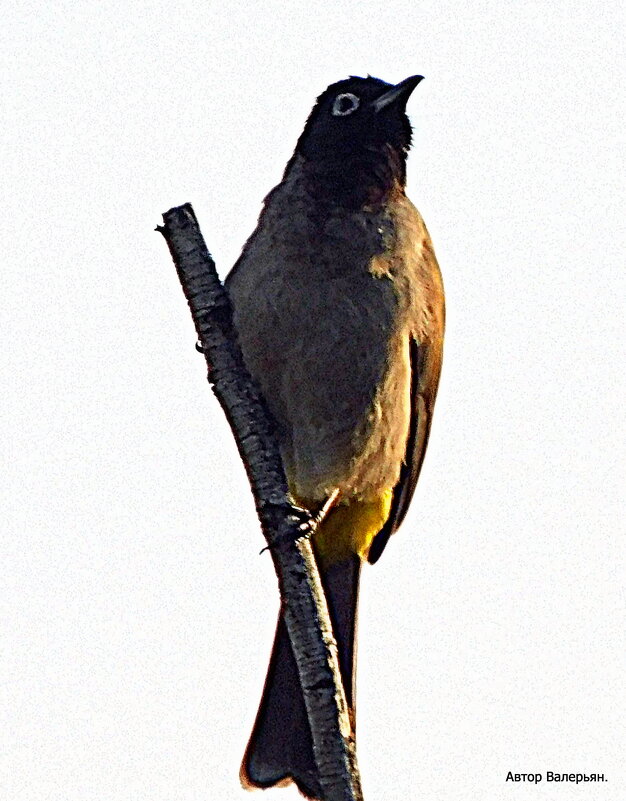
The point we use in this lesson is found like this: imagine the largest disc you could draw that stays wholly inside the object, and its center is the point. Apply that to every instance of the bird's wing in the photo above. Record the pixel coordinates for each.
(425, 370)
(425, 351)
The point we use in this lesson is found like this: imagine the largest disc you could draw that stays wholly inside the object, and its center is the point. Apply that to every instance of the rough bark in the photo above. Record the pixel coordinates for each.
(286, 528)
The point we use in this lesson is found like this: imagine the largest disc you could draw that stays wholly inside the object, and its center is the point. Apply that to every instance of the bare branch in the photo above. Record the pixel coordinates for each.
(287, 528)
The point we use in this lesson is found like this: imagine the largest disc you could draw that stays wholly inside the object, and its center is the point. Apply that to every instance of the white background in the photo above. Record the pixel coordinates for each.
(137, 615)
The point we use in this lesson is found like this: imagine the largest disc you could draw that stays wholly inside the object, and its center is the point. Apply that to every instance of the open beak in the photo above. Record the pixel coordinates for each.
(398, 93)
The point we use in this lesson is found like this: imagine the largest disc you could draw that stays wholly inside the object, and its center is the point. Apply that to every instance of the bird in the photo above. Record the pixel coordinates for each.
(338, 304)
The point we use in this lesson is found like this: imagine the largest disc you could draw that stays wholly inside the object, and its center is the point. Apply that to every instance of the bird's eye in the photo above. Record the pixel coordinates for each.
(345, 104)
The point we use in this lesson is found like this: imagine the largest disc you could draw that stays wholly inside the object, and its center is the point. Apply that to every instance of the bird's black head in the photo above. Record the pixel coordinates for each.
(356, 122)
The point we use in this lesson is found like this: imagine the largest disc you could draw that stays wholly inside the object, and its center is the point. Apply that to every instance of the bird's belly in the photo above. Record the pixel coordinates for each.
(335, 374)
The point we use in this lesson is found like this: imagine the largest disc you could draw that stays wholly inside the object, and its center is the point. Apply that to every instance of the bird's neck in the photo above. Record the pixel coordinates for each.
(356, 180)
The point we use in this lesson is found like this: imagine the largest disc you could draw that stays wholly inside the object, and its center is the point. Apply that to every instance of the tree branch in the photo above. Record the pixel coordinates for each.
(287, 528)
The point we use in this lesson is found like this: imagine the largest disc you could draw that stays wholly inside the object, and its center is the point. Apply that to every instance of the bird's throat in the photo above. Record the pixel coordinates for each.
(356, 180)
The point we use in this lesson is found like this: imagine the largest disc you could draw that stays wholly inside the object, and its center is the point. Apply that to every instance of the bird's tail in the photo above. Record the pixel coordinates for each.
(280, 749)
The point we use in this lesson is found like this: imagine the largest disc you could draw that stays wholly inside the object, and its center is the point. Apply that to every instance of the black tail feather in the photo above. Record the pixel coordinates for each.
(280, 747)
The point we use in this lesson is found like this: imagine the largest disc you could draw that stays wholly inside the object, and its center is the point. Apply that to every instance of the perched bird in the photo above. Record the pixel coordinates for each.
(339, 307)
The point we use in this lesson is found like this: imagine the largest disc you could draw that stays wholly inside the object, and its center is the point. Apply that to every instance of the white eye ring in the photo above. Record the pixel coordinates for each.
(338, 109)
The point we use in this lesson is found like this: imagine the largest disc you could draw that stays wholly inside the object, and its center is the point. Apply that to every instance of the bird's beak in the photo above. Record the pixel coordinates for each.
(399, 92)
